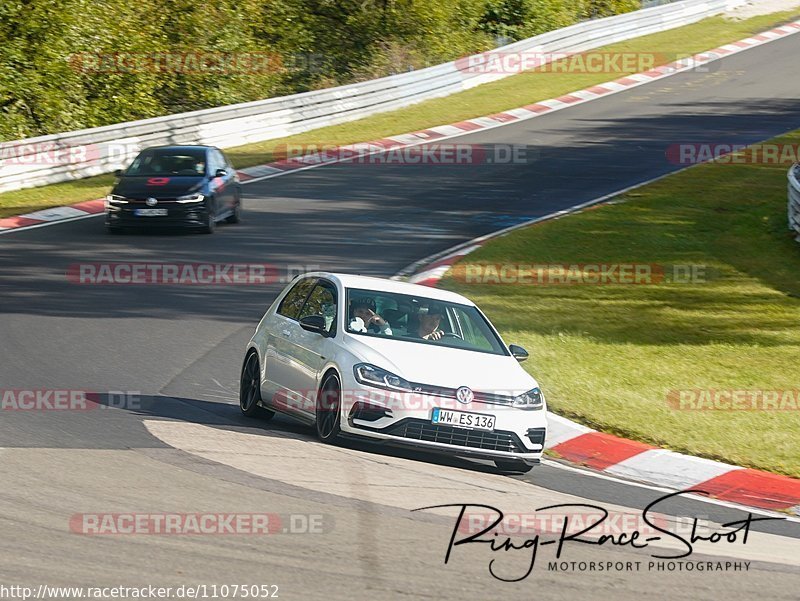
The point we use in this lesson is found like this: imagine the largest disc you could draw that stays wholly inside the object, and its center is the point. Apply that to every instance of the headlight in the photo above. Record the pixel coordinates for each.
(380, 378)
(532, 400)
(191, 198)
(116, 199)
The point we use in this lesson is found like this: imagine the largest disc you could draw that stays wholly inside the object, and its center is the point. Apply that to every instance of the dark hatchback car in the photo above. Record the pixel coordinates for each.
(175, 186)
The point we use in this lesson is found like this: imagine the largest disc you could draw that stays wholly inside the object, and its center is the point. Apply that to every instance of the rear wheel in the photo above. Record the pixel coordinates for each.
(513, 465)
(329, 410)
(250, 389)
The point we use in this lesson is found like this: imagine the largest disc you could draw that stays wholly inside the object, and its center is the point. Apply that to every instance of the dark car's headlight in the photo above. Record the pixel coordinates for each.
(380, 378)
(116, 199)
(533, 400)
(191, 198)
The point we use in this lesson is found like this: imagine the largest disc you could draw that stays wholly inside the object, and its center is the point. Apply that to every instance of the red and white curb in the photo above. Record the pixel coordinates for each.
(53, 214)
(439, 133)
(625, 458)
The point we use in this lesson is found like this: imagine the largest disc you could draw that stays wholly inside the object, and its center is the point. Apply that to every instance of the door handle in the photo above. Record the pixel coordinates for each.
(286, 333)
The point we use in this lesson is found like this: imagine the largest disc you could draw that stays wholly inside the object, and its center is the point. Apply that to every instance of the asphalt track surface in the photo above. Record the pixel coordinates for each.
(185, 448)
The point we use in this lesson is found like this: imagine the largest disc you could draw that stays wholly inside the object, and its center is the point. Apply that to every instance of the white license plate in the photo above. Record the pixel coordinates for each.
(463, 419)
(150, 212)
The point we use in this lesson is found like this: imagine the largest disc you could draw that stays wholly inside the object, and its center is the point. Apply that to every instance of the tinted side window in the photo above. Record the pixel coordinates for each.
(322, 302)
(292, 303)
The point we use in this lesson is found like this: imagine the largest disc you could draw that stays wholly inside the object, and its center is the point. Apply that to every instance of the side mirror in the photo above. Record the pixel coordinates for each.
(519, 353)
(221, 173)
(117, 172)
(314, 323)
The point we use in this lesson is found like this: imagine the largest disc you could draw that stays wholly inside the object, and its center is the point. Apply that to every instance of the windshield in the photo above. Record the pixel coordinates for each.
(421, 320)
(164, 161)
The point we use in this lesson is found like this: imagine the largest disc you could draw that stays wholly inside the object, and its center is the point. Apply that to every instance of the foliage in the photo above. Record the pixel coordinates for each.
(73, 64)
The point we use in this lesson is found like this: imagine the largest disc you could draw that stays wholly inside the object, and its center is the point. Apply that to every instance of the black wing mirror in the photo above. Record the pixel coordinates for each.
(117, 172)
(519, 353)
(221, 173)
(314, 323)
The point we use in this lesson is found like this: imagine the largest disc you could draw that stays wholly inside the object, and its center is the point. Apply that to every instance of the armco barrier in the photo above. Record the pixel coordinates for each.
(794, 199)
(104, 149)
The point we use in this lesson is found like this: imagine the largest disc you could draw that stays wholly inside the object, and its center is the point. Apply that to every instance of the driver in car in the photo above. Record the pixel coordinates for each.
(365, 319)
(429, 319)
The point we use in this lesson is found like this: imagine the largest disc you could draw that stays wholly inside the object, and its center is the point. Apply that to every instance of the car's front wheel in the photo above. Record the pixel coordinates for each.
(329, 410)
(211, 220)
(250, 389)
(236, 216)
(513, 465)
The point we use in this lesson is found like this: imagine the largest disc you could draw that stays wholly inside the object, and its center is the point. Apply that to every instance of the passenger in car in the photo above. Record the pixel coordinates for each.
(365, 319)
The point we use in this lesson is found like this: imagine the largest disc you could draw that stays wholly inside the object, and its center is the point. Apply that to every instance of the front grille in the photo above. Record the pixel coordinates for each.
(418, 429)
(143, 201)
(450, 393)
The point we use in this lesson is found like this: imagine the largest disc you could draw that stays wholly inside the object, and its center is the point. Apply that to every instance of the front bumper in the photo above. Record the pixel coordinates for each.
(406, 419)
(178, 215)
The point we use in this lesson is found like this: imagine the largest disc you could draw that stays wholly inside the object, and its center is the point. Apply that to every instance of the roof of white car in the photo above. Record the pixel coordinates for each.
(386, 285)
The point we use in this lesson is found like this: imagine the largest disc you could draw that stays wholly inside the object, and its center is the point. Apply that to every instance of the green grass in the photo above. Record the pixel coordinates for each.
(511, 92)
(608, 355)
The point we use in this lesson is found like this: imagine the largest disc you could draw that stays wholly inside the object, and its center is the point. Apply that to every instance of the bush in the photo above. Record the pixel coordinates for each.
(57, 74)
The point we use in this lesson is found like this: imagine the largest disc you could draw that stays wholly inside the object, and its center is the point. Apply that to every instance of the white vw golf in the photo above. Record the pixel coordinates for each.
(396, 362)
